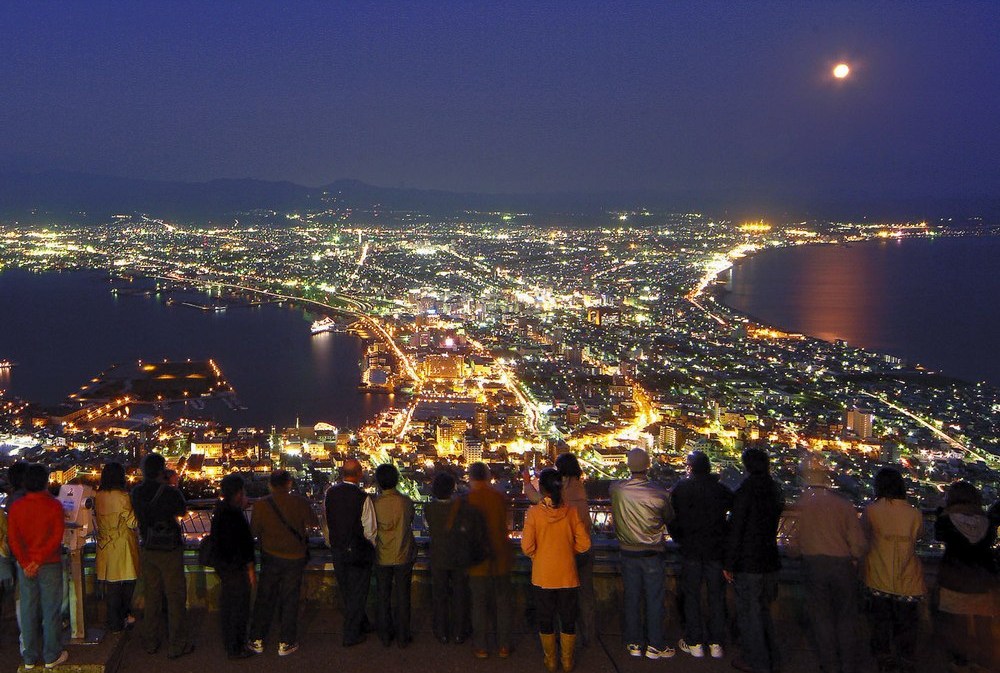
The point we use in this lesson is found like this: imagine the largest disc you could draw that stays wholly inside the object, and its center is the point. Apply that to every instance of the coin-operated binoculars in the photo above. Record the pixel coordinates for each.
(78, 510)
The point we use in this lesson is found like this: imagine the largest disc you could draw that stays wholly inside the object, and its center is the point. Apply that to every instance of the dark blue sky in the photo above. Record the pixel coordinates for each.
(704, 97)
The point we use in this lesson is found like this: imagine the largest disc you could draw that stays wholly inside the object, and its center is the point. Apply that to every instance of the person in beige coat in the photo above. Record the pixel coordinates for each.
(117, 546)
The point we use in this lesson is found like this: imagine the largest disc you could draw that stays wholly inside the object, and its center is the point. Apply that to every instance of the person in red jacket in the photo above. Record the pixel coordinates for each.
(35, 534)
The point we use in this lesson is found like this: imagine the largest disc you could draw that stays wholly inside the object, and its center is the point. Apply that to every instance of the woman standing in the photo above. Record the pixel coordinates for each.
(117, 546)
(553, 536)
(233, 559)
(967, 577)
(449, 580)
(893, 576)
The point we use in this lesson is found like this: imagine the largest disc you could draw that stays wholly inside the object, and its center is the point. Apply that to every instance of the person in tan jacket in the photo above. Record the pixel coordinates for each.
(117, 563)
(553, 535)
(893, 576)
(395, 550)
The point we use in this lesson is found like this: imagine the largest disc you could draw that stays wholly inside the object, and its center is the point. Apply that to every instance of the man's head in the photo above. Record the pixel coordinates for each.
(479, 472)
(281, 480)
(36, 478)
(698, 463)
(153, 466)
(352, 471)
(756, 461)
(387, 476)
(638, 461)
(443, 486)
(15, 474)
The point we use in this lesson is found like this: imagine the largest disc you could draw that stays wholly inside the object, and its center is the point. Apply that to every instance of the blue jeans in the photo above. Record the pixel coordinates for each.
(694, 573)
(41, 610)
(754, 594)
(642, 578)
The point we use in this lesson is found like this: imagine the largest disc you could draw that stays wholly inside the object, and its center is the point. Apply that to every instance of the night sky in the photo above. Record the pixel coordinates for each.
(698, 97)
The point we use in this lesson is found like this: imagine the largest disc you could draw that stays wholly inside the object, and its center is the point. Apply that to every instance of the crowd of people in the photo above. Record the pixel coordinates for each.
(723, 537)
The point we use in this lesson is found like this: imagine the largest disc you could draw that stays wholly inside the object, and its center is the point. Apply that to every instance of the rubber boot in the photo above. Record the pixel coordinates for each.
(549, 650)
(567, 641)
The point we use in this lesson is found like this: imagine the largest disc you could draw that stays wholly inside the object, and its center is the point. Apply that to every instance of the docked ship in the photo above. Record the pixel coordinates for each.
(6, 364)
(326, 324)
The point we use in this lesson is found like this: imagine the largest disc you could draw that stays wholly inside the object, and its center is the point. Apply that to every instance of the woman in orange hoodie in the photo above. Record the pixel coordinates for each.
(553, 536)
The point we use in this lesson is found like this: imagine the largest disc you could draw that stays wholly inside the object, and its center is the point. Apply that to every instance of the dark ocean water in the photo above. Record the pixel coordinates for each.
(64, 328)
(931, 301)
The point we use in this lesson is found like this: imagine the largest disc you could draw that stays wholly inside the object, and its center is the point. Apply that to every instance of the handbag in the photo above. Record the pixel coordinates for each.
(281, 517)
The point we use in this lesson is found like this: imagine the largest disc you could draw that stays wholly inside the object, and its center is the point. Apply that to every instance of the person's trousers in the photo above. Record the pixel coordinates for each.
(353, 583)
(894, 630)
(754, 594)
(118, 601)
(694, 574)
(40, 611)
(278, 589)
(586, 621)
(392, 587)
(450, 596)
(643, 585)
(561, 603)
(234, 608)
(163, 577)
(830, 584)
(491, 599)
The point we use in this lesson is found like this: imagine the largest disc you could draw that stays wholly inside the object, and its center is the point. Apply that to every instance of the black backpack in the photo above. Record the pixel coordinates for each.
(468, 542)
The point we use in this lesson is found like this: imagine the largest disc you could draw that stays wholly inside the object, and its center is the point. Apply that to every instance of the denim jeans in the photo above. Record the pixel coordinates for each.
(642, 580)
(831, 592)
(278, 589)
(754, 594)
(694, 573)
(392, 587)
(41, 610)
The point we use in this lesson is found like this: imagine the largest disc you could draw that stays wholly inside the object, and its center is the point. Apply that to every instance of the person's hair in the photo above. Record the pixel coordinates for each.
(889, 484)
(699, 462)
(387, 476)
(113, 477)
(352, 469)
(479, 472)
(443, 486)
(550, 482)
(15, 474)
(756, 460)
(568, 465)
(36, 477)
(232, 485)
(281, 478)
(153, 466)
(963, 493)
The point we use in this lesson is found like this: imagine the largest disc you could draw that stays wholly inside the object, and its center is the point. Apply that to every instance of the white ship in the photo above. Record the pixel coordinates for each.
(327, 324)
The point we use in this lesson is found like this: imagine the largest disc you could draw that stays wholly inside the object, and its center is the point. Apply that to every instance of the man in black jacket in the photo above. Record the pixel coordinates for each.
(701, 504)
(350, 518)
(752, 562)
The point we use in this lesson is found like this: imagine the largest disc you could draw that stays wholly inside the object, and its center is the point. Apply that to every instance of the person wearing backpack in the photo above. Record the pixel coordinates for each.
(232, 556)
(553, 535)
(489, 580)
(280, 522)
(159, 508)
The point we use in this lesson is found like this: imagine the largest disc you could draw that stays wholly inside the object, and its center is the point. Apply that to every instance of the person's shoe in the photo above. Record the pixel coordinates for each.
(256, 646)
(567, 644)
(503, 652)
(151, 649)
(242, 654)
(634, 650)
(61, 659)
(187, 649)
(715, 649)
(480, 653)
(654, 653)
(28, 667)
(284, 649)
(444, 640)
(551, 659)
(459, 640)
(354, 641)
(403, 641)
(697, 651)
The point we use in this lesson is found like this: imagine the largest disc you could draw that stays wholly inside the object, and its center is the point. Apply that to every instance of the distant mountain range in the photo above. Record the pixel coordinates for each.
(87, 196)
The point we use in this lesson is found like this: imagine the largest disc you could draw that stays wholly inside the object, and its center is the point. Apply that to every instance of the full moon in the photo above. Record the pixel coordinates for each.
(841, 70)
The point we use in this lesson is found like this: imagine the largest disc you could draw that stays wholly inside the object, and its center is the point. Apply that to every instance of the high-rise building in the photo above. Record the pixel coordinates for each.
(858, 422)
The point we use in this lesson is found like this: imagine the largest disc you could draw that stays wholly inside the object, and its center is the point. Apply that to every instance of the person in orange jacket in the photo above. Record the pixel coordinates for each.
(553, 535)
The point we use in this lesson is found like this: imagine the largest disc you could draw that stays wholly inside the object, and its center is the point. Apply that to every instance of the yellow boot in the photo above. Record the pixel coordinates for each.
(567, 641)
(549, 649)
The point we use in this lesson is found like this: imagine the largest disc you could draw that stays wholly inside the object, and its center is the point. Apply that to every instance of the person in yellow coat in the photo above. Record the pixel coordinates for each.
(117, 546)
(553, 535)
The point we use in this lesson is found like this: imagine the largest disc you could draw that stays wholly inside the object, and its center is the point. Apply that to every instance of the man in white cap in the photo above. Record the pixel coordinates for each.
(641, 510)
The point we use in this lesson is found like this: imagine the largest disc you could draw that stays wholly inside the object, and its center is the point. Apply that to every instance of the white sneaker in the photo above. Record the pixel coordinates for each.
(715, 649)
(63, 656)
(634, 650)
(653, 653)
(697, 650)
(284, 649)
(256, 646)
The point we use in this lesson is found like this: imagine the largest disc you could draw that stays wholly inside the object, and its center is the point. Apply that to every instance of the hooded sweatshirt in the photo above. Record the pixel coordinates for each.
(552, 538)
(968, 565)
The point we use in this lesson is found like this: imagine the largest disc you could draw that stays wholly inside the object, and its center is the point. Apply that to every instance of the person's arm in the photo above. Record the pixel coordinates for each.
(57, 525)
(530, 492)
(256, 519)
(581, 538)
(368, 520)
(667, 510)
(739, 522)
(14, 536)
(529, 545)
(856, 540)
